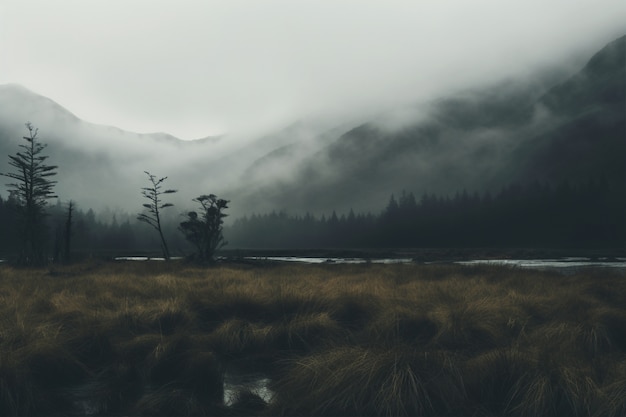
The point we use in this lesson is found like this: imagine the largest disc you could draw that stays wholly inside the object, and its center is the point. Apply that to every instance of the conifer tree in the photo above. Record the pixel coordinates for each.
(32, 188)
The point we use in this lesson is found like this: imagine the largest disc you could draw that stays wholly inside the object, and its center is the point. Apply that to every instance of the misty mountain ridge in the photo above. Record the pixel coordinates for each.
(94, 159)
(480, 139)
(17, 98)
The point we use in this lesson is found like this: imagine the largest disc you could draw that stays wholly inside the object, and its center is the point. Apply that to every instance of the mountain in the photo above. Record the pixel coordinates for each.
(103, 167)
(480, 139)
(588, 135)
(93, 160)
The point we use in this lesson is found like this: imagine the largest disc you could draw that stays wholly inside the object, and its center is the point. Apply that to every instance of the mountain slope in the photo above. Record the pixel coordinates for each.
(479, 140)
(588, 137)
(99, 166)
(103, 166)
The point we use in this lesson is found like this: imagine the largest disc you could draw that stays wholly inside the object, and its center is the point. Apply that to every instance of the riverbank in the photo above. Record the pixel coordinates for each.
(157, 338)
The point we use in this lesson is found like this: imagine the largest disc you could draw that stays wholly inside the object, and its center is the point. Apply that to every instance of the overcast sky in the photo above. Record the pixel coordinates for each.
(198, 68)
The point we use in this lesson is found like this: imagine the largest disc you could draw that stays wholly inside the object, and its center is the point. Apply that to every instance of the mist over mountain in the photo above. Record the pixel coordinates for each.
(476, 140)
(588, 133)
(103, 166)
(543, 129)
(99, 166)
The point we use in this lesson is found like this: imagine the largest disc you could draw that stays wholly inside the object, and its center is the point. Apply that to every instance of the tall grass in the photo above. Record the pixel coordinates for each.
(370, 381)
(157, 338)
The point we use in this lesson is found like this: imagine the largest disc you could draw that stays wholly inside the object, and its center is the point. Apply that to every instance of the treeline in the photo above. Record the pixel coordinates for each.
(122, 234)
(93, 233)
(535, 215)
(585, 215)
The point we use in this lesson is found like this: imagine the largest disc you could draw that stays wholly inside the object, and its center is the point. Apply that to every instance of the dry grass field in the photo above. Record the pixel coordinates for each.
(158, 339)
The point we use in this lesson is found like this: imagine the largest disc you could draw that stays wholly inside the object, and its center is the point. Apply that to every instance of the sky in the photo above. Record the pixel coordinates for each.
(200, 68)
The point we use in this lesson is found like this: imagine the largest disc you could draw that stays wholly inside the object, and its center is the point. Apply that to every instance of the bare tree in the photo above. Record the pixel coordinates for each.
(32, 188)
(154, 207)
(204, 230)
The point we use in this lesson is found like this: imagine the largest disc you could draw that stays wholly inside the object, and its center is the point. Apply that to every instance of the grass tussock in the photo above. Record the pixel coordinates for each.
(157, 339)
(357, 381)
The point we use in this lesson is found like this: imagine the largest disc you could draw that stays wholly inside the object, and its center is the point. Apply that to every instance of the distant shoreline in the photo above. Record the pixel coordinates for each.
(436, 254)
(414, 255)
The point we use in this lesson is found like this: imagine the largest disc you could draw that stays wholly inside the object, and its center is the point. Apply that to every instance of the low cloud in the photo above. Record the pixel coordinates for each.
(194, 69)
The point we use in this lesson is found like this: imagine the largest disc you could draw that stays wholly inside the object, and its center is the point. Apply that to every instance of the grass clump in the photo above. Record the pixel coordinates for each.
(358, 381)
(495, 380)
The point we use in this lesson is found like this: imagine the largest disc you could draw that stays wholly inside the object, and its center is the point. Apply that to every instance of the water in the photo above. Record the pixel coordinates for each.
(560, 263)
(87, 401)
(315, 260)
(144, 258)
(551, 263)
(256, 383)
(557, 263)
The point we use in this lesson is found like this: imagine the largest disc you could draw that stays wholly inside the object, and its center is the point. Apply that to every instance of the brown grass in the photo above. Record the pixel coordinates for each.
(156, 338)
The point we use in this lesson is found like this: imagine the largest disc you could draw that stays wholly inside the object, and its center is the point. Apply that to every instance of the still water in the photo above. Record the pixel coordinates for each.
(571, 263)
(565, 263)
(257, 384)
(551, 263)
(314, 260)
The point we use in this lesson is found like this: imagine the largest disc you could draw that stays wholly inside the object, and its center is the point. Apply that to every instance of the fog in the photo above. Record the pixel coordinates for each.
(272, 85)
(202, 68)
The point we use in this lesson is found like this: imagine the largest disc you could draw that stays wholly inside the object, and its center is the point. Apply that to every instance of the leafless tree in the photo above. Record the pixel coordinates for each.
(153, 216)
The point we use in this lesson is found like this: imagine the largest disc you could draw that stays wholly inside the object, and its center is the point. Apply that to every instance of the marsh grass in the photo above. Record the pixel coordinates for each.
(368, 381)
(156, 338)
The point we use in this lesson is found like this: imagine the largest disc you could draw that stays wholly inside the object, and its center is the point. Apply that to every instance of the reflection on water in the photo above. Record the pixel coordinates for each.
(570, 263)
(257, 384)
(90, 398)
(143, 258)
(314, 260)
(550, 263)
